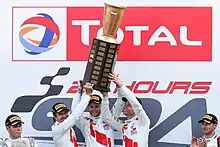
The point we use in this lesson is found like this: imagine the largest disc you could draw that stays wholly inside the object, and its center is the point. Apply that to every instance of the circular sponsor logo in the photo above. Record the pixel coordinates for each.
(50, 37)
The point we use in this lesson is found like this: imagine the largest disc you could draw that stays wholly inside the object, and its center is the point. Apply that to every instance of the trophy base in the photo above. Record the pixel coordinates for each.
(101, 89)
(101, 62)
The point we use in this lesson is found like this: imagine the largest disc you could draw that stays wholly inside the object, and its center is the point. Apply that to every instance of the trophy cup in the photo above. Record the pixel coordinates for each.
(104, 50)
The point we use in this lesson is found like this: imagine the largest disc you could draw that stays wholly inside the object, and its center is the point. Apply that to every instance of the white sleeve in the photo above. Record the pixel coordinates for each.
(62, 128)
(118, 106)
(138, 109)
(76, 101)
(82, 121)
(108, 117)
(80, 124)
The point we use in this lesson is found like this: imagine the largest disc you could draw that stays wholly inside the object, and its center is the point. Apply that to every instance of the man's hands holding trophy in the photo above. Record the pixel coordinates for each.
(88, 88)
(198, 142)
(115, 78)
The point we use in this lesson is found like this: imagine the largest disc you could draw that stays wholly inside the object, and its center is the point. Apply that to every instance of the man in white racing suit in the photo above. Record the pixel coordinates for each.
(209, 123)
(96, 131)
(14, 127)
(136, 128)
(62, 131)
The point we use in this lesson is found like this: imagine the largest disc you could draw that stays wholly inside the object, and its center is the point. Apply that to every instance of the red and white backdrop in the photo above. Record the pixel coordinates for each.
(169, 57)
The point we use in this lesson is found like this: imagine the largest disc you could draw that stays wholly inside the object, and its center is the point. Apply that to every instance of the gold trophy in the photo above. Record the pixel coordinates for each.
(104, 50)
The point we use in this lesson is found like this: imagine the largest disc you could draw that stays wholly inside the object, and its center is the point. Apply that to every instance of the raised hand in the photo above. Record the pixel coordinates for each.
(201, 142)
(194, 142)
(115, 78)
(88, 88)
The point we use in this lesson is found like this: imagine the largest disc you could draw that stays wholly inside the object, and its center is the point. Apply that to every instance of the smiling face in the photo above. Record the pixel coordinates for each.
(208, 128)
(61, 116)
(128, 110)
(95, 109)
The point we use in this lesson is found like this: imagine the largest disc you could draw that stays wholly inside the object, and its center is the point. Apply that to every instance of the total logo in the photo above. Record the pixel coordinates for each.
(39, 34)
(156, 35)
(50, 37)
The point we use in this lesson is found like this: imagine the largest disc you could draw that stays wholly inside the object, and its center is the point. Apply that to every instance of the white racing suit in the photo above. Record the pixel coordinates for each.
(135, 131)
(96, 131)
(213, 141)
(63, 134)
